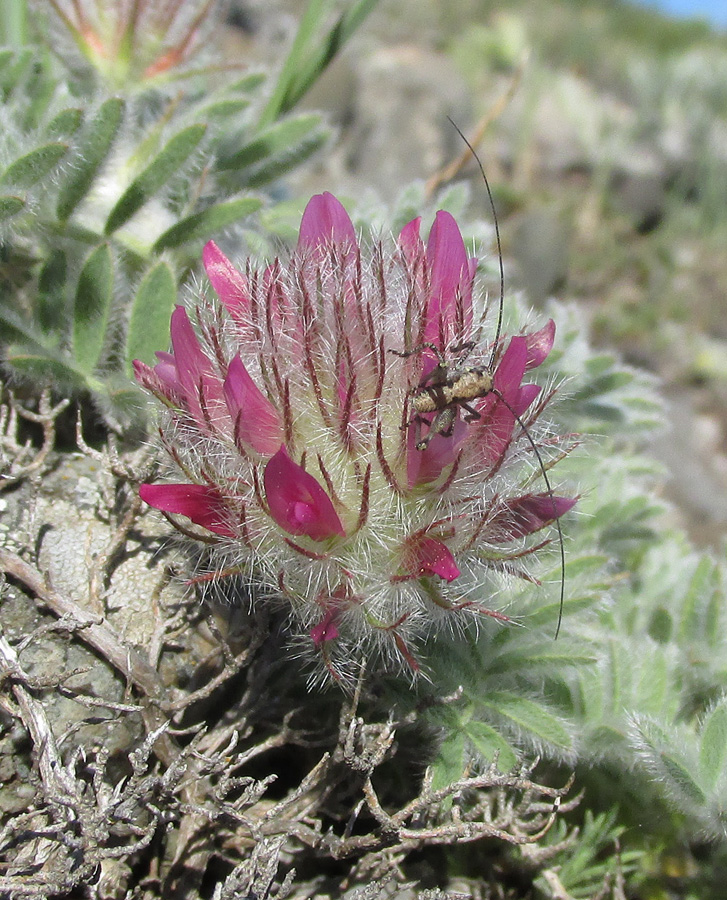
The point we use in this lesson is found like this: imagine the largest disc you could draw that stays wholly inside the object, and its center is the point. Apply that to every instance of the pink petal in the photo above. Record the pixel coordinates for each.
(424, 555)
(326, 629)
(511, 368)
(159, 381)
(528, 514)
(166, 367)
(450, 281)
(540, 343)
(410, 243)
(296, 500)
(201, 503)
(325, 222)
(201, 385)
(425, 466)
(230, 285)
(493, 431)
(527, 394)
(257, 423)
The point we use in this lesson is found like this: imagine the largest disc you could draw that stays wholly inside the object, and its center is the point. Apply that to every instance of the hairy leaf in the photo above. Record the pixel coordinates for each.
(204, 224)
(170, 159)
(92, 308)
(10, 206)
(272, 141)
(65, 123)
(35, 165)
(534, 719)
(713, 749)
(94, 148)
(51, 309)
(150, 313)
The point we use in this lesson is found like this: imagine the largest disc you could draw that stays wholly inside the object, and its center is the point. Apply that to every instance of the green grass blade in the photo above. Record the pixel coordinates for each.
(204, 224)
(170, 159)
(309, 24)
(305, 75)
(308, 57)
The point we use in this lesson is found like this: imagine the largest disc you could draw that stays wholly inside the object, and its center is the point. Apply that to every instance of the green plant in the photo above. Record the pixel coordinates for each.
(105, 203)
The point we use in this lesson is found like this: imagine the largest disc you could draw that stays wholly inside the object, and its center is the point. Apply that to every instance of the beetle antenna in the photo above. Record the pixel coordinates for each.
(556, 519)
(498, 330)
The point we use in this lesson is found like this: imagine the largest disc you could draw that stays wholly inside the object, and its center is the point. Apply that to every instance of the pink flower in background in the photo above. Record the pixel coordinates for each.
(292, 426)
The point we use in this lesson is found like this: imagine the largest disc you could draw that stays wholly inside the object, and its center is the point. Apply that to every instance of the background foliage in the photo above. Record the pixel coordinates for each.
(109, 188)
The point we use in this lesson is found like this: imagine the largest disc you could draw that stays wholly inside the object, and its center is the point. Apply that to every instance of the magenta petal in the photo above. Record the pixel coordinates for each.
(528, 514)
(190, 361)
(450, 279)
(494, 430)
(201, 503)
(527, 394)
(511, 368)
(540, 343)
(297, 502)
(325, 222)
(257, 423)
(201, 385)
(428, 556)
(410, 243)
(230, 285)
(424, 466)
(325, 630)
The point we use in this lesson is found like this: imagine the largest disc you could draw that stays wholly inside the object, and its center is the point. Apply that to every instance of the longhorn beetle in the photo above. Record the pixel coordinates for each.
(451, 386)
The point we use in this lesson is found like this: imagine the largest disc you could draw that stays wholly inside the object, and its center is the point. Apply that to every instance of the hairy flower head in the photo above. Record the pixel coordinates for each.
(135, 41)
(291, 415)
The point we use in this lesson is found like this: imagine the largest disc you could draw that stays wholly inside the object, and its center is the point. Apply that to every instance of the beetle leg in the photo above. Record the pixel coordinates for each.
(425, 345)
(471, 413)
(442, 423)
(465, 348)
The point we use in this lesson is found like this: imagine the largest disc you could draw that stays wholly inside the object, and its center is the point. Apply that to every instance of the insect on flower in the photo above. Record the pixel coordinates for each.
(451, 386)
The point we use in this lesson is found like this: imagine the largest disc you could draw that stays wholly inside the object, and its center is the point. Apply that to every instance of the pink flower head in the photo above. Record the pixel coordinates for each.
(135, 42)
(296, 398)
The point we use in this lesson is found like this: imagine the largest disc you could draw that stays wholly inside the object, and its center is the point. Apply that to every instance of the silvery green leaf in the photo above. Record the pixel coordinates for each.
(31, 168)
(167, 163)
(92, 308)
(150, 313)
(94, 147)
(204, 224)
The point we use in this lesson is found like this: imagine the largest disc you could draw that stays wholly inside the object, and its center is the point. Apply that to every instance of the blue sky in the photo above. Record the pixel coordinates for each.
(715, 11)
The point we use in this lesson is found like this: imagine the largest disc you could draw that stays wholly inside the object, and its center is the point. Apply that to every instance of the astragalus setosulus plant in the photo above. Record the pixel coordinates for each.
(126, 142)
(629, 691)
(277, 432)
